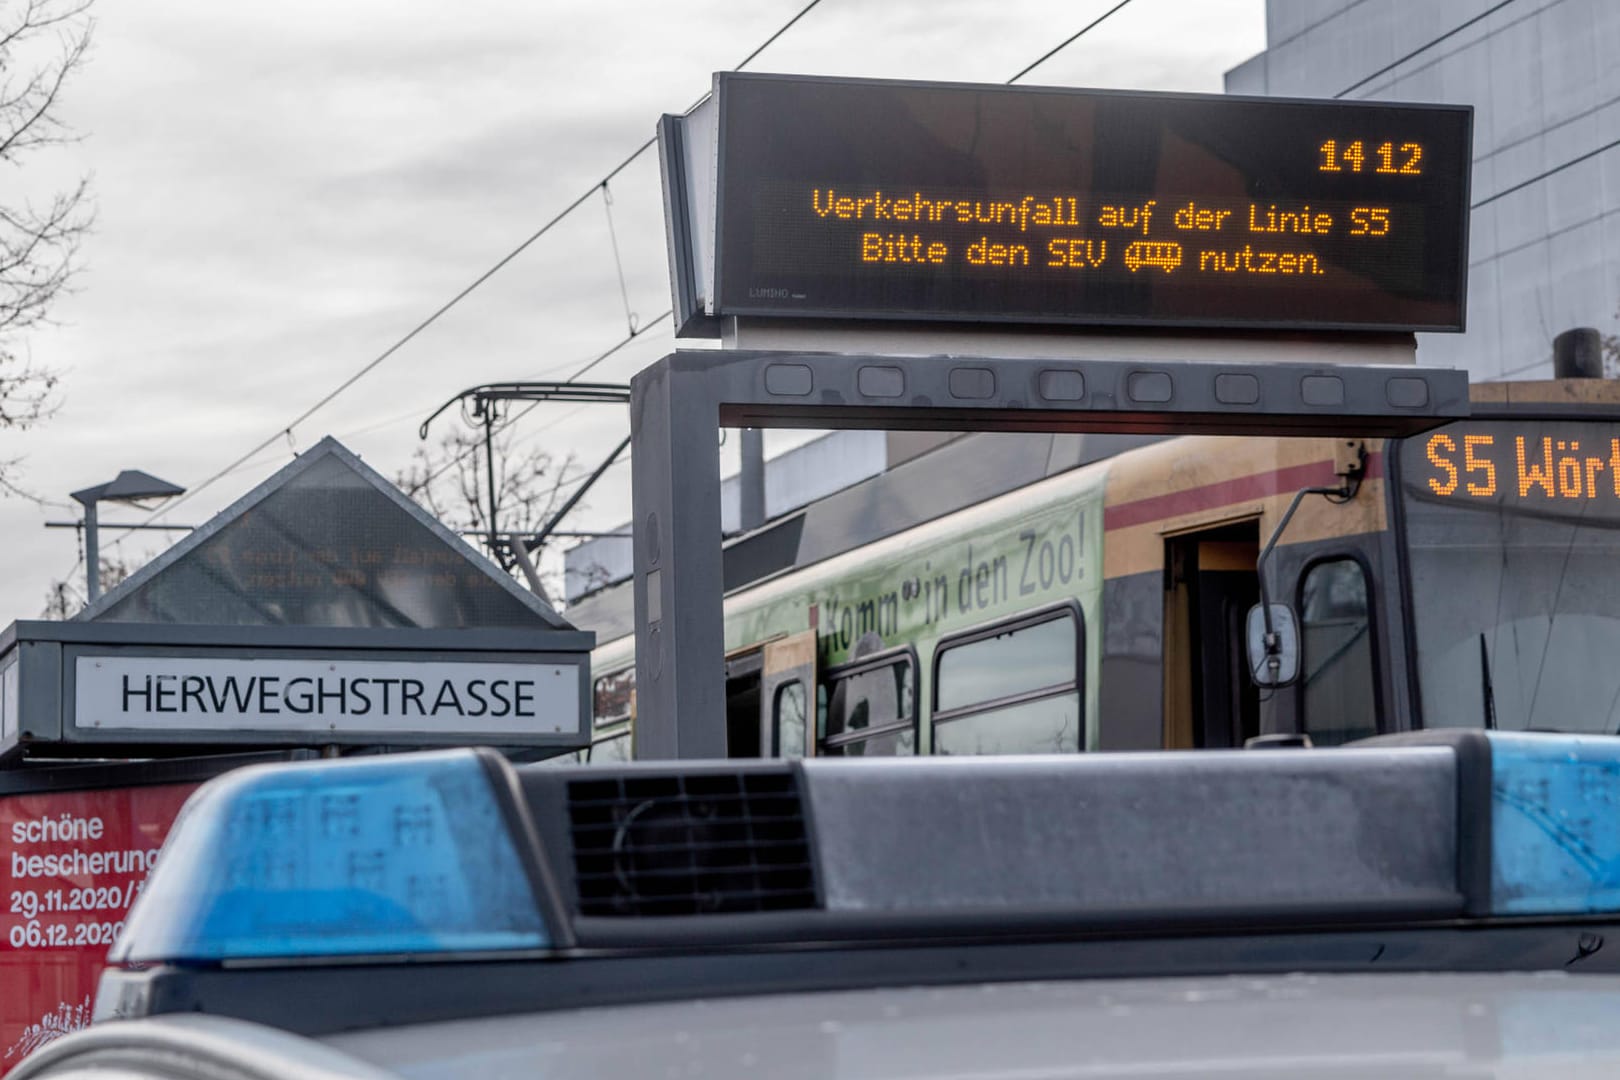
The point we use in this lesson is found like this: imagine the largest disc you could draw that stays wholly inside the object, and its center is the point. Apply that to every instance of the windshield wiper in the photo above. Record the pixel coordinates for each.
(1485, 681)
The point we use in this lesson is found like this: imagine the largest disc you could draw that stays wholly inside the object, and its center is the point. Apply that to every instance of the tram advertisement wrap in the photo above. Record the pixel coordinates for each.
(73, 862)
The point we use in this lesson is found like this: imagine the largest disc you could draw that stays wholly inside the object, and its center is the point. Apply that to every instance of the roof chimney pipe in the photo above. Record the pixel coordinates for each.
(1578, 354)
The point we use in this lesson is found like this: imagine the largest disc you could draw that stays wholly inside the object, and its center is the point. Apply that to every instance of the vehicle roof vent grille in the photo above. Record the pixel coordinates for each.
(704, 843)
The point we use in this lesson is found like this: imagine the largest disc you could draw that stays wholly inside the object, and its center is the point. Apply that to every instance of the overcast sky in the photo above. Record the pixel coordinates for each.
(283, 190)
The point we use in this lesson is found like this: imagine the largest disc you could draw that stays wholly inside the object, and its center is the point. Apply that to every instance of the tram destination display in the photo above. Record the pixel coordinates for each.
(878, 199)
(1543, 468)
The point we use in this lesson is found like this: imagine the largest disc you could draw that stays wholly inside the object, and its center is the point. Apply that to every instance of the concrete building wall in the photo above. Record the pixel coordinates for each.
(1544, 79)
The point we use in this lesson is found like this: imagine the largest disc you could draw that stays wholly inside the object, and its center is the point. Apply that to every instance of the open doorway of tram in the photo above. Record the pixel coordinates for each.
(770, 688)
(1210, 584)
(743, 669)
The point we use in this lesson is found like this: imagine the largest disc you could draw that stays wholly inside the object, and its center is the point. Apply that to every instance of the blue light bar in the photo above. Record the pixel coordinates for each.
(1555, 824)
(404, 854)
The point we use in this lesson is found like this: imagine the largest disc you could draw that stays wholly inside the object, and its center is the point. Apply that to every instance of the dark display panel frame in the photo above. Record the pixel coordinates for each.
(826, 139)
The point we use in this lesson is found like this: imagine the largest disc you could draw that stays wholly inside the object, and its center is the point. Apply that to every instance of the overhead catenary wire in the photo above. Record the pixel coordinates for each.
(286, 431)
(1545, 361)
(1540, 176)
(635, 331)
(451, 463)
(246, 459)
(1426, 46)
(568, 483)
(501, 425)
(1520, 186)
(1066, 42)
(365, 369)
(372, 364)
(618, 259)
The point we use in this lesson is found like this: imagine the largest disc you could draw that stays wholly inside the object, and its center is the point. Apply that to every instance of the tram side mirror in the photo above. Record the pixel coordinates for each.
(1273, 656)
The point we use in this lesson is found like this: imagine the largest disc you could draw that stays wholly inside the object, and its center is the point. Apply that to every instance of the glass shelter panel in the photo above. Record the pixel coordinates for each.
(327, 548)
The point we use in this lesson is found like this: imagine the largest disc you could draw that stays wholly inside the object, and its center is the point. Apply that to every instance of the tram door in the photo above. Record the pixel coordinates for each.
(1210, 584)
(770, 697)
(787, 699)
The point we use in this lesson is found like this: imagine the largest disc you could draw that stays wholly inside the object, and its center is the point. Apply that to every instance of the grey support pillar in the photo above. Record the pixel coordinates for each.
(675, 491)
(92, 554)
(751, 480)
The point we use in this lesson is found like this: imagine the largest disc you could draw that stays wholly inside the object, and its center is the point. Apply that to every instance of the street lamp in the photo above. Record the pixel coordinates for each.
(130, 486)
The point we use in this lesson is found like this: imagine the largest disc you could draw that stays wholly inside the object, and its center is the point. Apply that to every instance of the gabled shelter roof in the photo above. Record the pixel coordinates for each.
(327, 542)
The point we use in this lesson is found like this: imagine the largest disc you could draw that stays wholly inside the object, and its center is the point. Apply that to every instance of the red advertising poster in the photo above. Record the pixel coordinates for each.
(71, 863)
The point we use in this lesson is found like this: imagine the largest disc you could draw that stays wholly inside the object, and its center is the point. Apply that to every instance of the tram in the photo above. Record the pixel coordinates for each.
(1464, 577)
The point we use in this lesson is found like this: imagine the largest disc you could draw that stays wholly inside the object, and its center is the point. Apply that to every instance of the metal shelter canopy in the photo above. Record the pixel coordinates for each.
(679, 403)
(324, 542)
(322, 608)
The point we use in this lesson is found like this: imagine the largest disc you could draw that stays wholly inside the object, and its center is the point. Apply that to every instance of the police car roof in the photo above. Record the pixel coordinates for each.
(439, 892)
(1239, 1027)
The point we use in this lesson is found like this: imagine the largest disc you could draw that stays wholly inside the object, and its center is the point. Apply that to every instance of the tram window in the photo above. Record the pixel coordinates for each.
(1012, 689)
(612, 695)
(1340, 695)
(870, 710)
(1048, 726)
(788, 713)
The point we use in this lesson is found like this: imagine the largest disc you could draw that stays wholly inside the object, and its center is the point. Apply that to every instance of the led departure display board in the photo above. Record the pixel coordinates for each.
(863, 199)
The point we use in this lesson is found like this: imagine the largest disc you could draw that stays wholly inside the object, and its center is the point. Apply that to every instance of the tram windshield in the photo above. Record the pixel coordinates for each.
(1513, 543)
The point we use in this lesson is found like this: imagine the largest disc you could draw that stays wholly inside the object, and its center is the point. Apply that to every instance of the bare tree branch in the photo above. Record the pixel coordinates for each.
(39, 243)
(449, 481)
(38, 14)
(29, 120)
(64, 599)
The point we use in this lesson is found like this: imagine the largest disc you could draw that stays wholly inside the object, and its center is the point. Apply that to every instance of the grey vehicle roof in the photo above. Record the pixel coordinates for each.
(191, 1046)
(1553, 1025)
(1541, 1025)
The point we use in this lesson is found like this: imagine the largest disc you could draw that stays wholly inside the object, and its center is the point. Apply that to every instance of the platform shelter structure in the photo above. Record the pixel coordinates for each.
(929, 256)
(323, 610)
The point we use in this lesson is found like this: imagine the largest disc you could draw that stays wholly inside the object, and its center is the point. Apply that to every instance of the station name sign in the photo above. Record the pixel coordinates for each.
(877, 199)
(143, 693)
(79, 689)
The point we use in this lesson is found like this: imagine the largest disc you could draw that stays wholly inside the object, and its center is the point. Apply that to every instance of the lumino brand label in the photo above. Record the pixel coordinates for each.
(71, 863)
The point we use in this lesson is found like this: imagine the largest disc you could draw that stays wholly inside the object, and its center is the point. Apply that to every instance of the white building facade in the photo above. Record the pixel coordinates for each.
(1544, 79)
